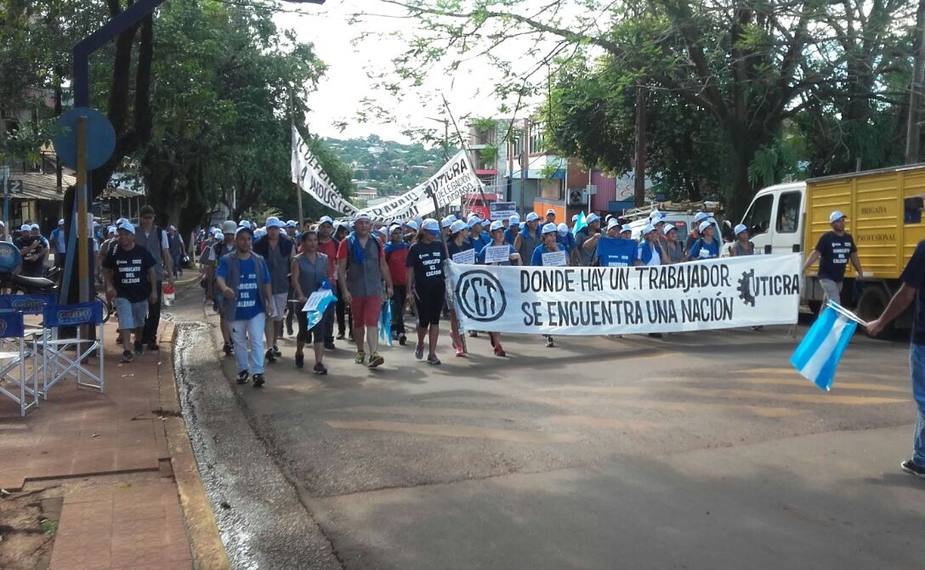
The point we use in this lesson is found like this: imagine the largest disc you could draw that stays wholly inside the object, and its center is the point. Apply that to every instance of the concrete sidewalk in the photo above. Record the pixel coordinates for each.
(133, 428)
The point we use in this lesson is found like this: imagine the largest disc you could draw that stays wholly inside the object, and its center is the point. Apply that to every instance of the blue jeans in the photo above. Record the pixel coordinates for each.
(248, 343)
(917, 366)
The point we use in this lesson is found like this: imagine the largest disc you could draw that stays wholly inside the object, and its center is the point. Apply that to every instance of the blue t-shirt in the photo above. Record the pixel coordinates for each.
(510, 235)
(567, 242)
(617, 252)
(537, 258)
(248, 300)
(479, 242)
(704, 250)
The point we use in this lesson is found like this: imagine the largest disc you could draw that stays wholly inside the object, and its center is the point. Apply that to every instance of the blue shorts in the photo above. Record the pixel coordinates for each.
(131, 315)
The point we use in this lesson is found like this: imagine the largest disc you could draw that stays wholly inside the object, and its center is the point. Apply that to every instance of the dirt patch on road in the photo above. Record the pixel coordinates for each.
(28, 523)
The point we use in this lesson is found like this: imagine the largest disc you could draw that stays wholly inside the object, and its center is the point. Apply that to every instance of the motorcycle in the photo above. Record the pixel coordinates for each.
(12, 280)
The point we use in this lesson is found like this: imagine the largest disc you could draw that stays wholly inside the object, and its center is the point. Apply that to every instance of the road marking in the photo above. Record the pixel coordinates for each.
(570, 419)
(471, 432)
(799, 380)
(802, 398)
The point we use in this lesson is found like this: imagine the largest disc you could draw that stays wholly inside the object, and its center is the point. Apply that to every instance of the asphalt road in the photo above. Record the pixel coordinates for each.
(693, 451)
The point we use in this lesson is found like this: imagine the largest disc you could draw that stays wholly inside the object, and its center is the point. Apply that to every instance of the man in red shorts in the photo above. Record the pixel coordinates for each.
(361, 269)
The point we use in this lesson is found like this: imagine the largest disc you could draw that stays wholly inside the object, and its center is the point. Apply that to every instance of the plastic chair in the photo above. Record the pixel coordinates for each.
(13, 363)
(62, 357)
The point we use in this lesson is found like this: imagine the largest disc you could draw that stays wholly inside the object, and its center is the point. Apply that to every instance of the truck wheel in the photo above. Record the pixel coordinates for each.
(871, 305)
(814, 306)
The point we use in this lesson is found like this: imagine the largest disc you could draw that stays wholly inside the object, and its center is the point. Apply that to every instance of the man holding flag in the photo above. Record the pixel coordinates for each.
(912, 289)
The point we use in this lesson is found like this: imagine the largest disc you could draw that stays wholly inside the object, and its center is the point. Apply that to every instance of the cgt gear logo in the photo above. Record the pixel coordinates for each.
(752, 286)
(480, 296)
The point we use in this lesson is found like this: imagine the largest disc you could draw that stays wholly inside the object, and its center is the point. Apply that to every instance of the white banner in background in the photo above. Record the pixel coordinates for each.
(454, 179)
(715, 294)
(311, 178)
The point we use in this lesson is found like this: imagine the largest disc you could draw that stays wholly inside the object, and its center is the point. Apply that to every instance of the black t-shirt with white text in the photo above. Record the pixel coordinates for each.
(427, 261)
(834, 251)
(130, 272)
(914, 276)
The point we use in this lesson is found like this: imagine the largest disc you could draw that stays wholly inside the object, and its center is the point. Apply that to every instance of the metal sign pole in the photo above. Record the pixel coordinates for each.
(82, 233)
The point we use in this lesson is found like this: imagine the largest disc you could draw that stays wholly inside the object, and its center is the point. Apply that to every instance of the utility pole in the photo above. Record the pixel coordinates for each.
(913, 128)
(524, 165)
(639, 168)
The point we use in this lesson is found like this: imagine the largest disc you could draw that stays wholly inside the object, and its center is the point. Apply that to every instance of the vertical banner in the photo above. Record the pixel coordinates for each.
(715, 294)
(311, 178)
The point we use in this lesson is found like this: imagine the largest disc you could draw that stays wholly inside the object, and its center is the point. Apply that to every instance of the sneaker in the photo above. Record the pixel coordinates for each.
(550, 343)
(655, 335)
(139, 347)
(419, 352)
(153, 345)
(360, 358)
(473, 334)
(299, 360)
(127, 356)
(276, 351)
(375, 360)
(269, 356)
(227, 349)
(319, 369)
(499, 351)
(460, 353)
(259, 380)
(402, 339)
(329, 345)
(340, 335)
(913, 468)
(433, 360)
(243, 376)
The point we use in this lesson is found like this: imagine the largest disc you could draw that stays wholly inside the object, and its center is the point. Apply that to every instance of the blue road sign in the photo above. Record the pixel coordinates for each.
(101, 138)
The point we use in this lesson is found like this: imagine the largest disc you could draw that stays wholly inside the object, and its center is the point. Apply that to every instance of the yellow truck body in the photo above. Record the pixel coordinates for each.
(884, 209)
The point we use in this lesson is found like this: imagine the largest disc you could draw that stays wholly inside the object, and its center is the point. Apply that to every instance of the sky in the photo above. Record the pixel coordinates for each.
(346, 85)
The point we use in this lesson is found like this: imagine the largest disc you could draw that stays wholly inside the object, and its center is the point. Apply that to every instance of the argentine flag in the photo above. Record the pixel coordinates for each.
(818, 354)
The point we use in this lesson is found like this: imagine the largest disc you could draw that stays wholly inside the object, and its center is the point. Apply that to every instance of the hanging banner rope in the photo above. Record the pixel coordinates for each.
(455, 179)
(716, 294)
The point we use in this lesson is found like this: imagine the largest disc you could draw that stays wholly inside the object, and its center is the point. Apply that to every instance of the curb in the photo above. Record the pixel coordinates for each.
(205, 542)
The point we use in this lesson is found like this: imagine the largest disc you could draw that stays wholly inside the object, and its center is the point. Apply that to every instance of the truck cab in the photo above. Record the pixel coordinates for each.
(775, 218)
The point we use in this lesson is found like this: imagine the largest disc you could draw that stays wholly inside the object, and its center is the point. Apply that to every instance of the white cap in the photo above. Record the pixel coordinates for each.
(229, 227)
(217, 234)
(61, 222)
(550, 211)
(473, 218)
(835, 216)
(245, 224)
(704, 225)
(592, 218)
(486, 222)
(473, 221)
(413, 225)
(384, 230)
(260, 232)
(655, 214)
(626, 228)
(292, 224)
(668, 228)
(739, 229)
(447, 221)
(458, 226)
(274, 222)
(496, 225)
(110, 230)
(128, 227)
(575, 218)
(34, 227)
(532, 217)
(700, 216)
(25, 228)
(647, 229)
(514, 220)
(362, 216)
(431, 225)
(244, 228)
(613, 223)
(549, 228)
(326, 220)
(563, 229)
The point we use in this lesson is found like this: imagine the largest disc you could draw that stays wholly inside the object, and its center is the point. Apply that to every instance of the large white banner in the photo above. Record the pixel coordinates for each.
(714, 294)
(454, 179)
(311, 178)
